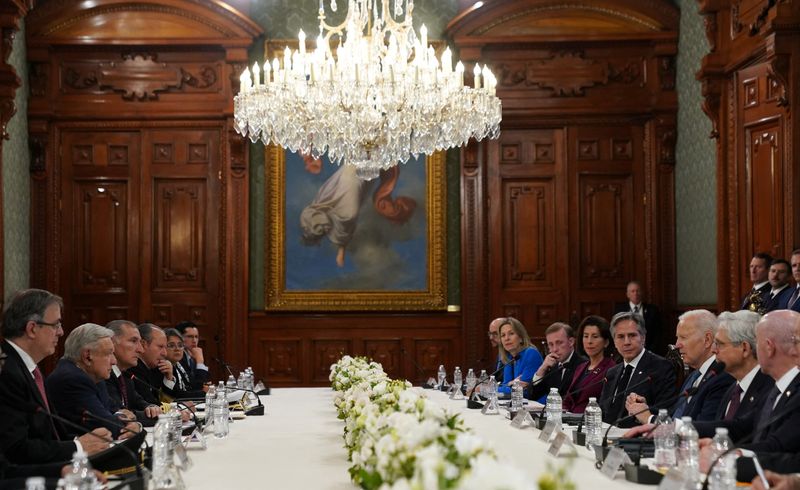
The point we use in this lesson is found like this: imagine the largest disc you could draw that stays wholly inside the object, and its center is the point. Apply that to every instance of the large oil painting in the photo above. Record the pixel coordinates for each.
(335, 242)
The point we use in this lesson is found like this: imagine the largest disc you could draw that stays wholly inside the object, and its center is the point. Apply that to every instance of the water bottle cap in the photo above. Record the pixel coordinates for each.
(663, 411)
(686, 420)
(722, 431)
(554, 390)
(592, 399)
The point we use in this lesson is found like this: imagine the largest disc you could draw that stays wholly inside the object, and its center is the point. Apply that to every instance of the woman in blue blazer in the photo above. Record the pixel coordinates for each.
(521, 359)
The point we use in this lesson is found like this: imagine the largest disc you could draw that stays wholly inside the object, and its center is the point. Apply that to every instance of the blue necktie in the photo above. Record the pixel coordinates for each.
(683, 402)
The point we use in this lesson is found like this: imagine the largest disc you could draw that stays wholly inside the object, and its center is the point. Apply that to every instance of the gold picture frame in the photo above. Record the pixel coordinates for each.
(280, 298)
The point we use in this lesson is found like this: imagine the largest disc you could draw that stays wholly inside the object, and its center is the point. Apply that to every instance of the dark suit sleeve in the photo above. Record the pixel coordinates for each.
(73, 394)
(716, 390)
(608, 392)
(663, 388)
(22, 432)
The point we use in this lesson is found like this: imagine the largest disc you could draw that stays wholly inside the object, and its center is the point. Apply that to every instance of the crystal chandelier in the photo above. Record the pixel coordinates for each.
(381, 100)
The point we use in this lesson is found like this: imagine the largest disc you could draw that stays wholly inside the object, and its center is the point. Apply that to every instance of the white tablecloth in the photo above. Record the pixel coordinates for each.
(298, 444)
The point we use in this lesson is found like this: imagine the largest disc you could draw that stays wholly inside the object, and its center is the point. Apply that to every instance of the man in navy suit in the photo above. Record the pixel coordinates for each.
(193, 361)
(650, 314)
(695, 340)
(779, 295)
(641, 371)
(793, 303)
(77, 388)
(735, 345)
(755, 299)
(562, 357)
(31, 328)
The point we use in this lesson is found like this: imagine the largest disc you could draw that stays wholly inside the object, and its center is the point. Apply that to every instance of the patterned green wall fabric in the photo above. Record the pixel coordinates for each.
(695, 171)
(282, 19)
(16, 182)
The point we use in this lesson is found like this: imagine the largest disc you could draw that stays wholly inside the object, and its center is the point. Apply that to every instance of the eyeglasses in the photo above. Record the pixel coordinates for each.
(173, 345)
(54, 326)
(492, 335)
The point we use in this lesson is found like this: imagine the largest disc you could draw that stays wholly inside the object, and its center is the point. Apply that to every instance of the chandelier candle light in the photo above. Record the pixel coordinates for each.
(383, 99)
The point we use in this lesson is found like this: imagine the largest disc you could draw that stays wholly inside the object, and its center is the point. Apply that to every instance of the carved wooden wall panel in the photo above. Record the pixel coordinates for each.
(388, 353)
(749, 82)
(588, 131)
(181, 234)
(101, 236)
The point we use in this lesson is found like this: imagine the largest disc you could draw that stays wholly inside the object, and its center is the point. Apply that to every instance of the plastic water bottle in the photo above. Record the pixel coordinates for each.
(35, 483)
(165, 474)
(231, 382)
(471, 380)
(664, 440)
(594, 424)
(221, 416)
(554, 407)
(80, 476)
(688, 449)
(441, 376)
(516, 396)
(241, 382)
(723, 475)
(458, 382)
(484, 379)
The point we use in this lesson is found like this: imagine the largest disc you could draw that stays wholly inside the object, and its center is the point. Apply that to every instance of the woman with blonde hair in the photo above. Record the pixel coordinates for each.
(520, 357)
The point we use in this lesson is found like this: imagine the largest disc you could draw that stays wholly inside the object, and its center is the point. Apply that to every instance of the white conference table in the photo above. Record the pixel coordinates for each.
(298, 444)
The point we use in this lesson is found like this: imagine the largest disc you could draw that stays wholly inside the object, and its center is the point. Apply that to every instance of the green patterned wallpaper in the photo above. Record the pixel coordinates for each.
(282, 19)
(695, 172)
(16, 182)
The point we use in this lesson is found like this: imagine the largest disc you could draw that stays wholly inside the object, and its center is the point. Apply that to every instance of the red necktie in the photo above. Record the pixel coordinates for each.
(39, 379)
(735, 403)
(123, 391)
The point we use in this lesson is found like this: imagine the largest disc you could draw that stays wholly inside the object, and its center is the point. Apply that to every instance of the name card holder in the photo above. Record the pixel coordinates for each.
(548, 430)
(522, 419)
(559, 440)
(614, 460)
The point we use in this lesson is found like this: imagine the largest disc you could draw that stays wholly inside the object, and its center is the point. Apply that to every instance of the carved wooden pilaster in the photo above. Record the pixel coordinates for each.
(474, 266)
(712, 93)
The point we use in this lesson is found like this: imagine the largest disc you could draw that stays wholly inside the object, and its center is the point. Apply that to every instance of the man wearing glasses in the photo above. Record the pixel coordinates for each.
(32, 328)
(494, 339)
(193, 359)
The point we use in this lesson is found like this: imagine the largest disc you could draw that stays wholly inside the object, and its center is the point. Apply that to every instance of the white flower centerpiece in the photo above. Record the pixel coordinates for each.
(397, 439)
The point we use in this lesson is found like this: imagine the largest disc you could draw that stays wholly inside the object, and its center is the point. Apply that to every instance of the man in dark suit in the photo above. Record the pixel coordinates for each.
(650, 314)
(755, 299)
(775, 428)
(153, 375)
(735, 345)
(695, 341)
(31, 328)
(779, 295)
(193, 361)
(121, 389)
(794, 300)
(559, 365)
(77, 388)
(648, 374)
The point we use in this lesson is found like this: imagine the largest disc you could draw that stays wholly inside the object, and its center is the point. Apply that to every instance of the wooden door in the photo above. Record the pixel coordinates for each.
(527, 225)
(140, 234)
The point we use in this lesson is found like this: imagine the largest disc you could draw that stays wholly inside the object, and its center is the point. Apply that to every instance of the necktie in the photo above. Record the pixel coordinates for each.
(636, 309)
(735, 402)
(39, 379)
(766, 413)
(683, 401)
(180, 376)
(618, 402)
(123, 391)
(794, 296)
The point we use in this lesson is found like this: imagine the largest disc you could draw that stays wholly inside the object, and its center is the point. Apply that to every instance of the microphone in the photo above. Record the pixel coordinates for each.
(668, 401)
(137, 482)
(421, 371)
(483, 379)
(152, 388)
(86, 414)
(225, 365)
(258, 409)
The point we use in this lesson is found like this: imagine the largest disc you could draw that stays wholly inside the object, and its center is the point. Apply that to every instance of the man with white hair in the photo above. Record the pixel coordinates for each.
(705, 387)
(76, 386)
(735, 345)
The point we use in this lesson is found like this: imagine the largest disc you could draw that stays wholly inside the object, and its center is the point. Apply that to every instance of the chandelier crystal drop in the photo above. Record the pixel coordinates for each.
(382, 99)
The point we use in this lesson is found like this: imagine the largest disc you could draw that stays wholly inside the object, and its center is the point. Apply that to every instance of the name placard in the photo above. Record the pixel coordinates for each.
(559, 440)
(522, 419)
(547, 431)
(675, 479)
(615, 459)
